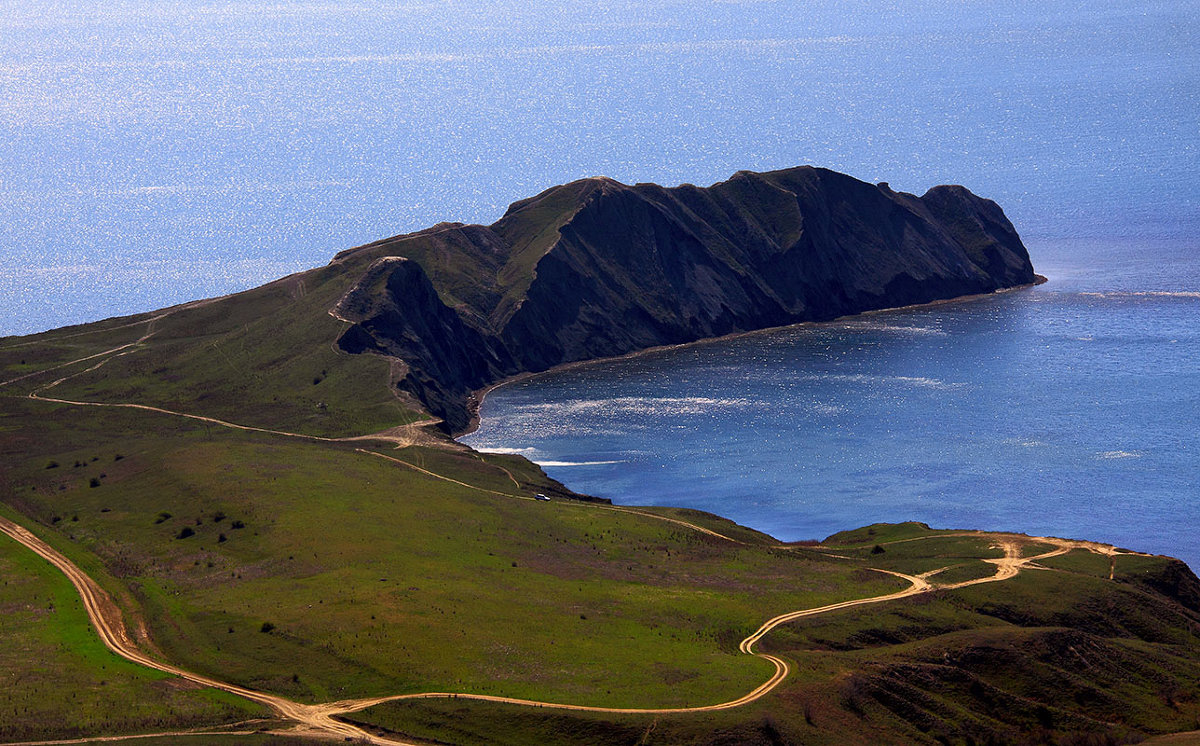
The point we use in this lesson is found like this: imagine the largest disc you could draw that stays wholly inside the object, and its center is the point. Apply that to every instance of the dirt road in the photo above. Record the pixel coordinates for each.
(107, 619)
(320, 720)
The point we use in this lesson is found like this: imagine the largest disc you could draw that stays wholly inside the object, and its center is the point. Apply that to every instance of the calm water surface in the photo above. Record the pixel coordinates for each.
(159, 151)
(1070, 409)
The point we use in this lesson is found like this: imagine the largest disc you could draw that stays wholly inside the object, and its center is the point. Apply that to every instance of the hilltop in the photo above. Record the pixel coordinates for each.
(259, 498)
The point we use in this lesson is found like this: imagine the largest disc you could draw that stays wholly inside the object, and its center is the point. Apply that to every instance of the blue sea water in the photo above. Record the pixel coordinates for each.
(1069, 409)
(156, 152)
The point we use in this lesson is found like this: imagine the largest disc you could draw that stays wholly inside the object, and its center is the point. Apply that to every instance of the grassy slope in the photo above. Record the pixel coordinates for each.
(263, 358)
(413, 578)
(381, 579)
(59, 681)
(1049, 657)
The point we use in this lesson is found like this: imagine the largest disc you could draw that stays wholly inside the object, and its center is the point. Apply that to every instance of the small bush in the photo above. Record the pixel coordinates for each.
(185, 532)
(218, 516)
(94, 482)
(267, 627)
(52, 464)
(237, 524)
(118, 457)
(163, 516)
(877, 549)
(221, 538)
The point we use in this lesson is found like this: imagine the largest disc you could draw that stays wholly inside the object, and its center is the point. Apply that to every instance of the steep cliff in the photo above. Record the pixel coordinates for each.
(597, 268)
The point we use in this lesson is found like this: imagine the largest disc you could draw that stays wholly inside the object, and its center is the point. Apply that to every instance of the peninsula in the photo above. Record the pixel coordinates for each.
(244, 520)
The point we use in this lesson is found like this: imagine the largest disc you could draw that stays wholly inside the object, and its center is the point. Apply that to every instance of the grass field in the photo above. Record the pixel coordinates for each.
(1058, 661)
(322, 570)
(414, 578)
(57, 680)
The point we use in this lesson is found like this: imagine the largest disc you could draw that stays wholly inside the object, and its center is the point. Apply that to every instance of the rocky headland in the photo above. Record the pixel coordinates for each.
(596, 268)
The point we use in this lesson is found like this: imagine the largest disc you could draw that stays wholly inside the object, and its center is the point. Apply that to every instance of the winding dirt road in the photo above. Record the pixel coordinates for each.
(109, 624)
(320, 720)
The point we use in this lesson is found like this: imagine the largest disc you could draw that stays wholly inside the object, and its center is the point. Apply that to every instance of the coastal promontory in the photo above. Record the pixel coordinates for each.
(596, 268)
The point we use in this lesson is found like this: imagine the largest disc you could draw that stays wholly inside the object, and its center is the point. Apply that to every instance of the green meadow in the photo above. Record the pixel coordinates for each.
(323, 570)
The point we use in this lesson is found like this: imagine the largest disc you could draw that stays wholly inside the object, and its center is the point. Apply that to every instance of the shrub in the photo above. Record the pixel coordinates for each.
(221, 538)
(163, 516)
(185, 532)
(94, 482)
(51, 464)
(877, 549)
(266, 627)
(237, 524)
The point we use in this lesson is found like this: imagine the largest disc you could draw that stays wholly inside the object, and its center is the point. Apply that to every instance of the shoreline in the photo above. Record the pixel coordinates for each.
(477, 397)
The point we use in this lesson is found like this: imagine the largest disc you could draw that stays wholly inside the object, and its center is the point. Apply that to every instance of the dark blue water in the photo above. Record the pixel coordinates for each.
(1070, 409)
(153, 152)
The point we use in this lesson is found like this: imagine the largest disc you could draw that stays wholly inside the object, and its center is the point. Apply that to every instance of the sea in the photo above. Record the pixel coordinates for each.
(1069, 409)
(157, 152)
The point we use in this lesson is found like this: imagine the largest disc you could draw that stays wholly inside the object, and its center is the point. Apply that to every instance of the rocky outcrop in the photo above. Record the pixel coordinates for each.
(596, 268)
(397, 312)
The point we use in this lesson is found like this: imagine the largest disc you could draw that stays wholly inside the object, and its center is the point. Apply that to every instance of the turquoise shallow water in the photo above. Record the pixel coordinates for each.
(1069, 409)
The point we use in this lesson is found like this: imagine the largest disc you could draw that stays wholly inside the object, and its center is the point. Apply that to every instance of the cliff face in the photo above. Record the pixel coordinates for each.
(596, 268)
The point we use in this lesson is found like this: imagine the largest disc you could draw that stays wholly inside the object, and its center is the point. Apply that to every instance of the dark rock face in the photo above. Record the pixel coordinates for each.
(596, 268)
(398, 313)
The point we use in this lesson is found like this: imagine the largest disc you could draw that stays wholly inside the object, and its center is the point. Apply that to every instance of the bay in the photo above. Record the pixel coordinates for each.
(1069, 409)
